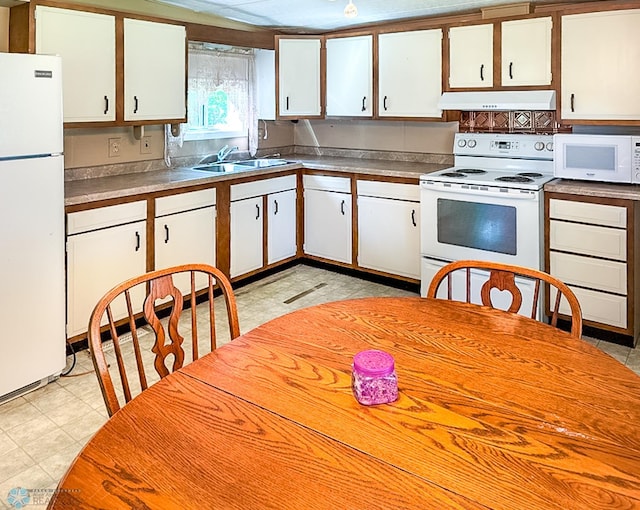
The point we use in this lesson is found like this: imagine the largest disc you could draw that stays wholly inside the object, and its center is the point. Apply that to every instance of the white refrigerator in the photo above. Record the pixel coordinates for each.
(32, 292)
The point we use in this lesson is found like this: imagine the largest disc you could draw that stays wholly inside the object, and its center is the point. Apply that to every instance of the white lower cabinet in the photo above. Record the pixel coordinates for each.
(105, 246)
(389, 228)
(248, 223)
(591, 248)
(327, 217)
(246, 235)
(185, 232)
(281, 226)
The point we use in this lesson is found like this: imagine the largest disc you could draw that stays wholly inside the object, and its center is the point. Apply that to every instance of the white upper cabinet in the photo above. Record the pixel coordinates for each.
(154, 70)
(299, 77)
(600, 71)
(410, 73)
(86, 43)
(350, 76)
(526, 52)
(471, 56)
(266, 83)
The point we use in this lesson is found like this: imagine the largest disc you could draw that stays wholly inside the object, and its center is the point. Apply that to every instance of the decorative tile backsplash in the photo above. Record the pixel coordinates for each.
(530, 122)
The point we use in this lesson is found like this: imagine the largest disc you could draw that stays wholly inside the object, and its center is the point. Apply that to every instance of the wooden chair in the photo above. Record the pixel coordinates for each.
(142, 320)
(502, 277)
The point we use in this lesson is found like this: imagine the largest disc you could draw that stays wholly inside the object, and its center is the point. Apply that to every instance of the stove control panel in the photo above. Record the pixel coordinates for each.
(501, 145)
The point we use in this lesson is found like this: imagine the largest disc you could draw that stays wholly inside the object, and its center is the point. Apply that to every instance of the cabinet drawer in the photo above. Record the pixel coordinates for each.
(583, 212)
(594, 274)
(93, 219)
(597, 306)
(263, 187)
(185, 202)
(327, 183)
(588, 239)
(393, 190)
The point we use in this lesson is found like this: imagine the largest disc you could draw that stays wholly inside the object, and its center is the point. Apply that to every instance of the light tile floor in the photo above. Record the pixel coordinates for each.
(42, 431)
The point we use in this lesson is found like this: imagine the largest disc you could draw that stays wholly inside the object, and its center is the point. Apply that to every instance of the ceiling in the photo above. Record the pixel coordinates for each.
(327, 15)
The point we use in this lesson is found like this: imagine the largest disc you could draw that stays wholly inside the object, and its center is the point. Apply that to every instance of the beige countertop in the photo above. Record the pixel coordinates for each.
(594, 189)
(84, 191)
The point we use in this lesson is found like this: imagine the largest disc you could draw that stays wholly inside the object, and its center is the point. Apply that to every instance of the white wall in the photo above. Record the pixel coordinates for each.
(401, 136)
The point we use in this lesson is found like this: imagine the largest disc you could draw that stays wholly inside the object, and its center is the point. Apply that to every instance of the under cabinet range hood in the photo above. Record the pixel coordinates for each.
(499, 100)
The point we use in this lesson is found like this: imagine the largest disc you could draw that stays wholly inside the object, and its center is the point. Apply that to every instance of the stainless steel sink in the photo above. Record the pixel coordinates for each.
(262, 162)
(238, 166)
(219, 167)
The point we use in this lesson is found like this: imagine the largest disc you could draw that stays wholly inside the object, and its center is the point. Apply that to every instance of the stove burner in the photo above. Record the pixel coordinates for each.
(453, 174)
(534, 175)
(514, 178)
(471, 171)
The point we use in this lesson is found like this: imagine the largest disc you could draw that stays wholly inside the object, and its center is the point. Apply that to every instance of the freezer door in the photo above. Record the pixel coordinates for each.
(32, 343)
(30, 105)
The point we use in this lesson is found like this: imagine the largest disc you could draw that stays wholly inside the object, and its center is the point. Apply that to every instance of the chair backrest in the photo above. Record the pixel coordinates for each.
(147, 310)
(502, 277)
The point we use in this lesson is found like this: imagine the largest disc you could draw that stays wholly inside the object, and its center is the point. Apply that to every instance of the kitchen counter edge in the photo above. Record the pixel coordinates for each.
(594, 189)
(84, 191)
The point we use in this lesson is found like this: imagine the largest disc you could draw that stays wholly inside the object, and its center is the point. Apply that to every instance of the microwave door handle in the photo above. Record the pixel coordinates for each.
(479, 193)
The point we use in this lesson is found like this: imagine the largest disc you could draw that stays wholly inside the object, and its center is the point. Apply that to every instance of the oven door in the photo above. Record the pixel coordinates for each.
(482, 223)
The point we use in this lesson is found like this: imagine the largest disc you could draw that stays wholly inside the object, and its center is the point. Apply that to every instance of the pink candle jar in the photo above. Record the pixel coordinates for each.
(374, 379)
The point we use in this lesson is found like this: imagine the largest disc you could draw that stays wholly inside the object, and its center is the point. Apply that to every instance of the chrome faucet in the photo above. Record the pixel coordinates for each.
(224, 152)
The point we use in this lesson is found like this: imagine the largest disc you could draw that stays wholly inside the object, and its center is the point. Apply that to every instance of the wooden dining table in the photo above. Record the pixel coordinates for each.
(495, 410)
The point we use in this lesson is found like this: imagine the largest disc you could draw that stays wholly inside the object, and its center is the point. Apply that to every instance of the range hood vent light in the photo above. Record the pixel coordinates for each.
(499, 100)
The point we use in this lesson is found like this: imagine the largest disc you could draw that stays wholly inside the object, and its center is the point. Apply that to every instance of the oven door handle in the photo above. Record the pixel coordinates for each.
(426, 188)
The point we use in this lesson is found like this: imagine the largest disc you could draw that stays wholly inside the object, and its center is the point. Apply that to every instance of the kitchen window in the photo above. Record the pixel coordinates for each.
(220, 92)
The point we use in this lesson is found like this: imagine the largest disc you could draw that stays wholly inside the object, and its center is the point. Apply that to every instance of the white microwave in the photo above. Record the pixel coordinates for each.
(606, 158)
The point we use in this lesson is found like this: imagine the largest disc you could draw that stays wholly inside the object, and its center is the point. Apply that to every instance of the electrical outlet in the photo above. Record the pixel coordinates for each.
(145, 145)
(114, 147)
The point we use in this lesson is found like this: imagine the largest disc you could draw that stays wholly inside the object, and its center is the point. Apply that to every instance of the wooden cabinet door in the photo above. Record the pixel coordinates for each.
(186, 238)
(86, 43)
(154, 70)
(350, 76)
(389, 236)
(410, 74)
(281, 226)
(600, 55)
(246, 235)
(526, 52)
(327, 225)
(471, 56)
(298, 77)
(97, 261)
